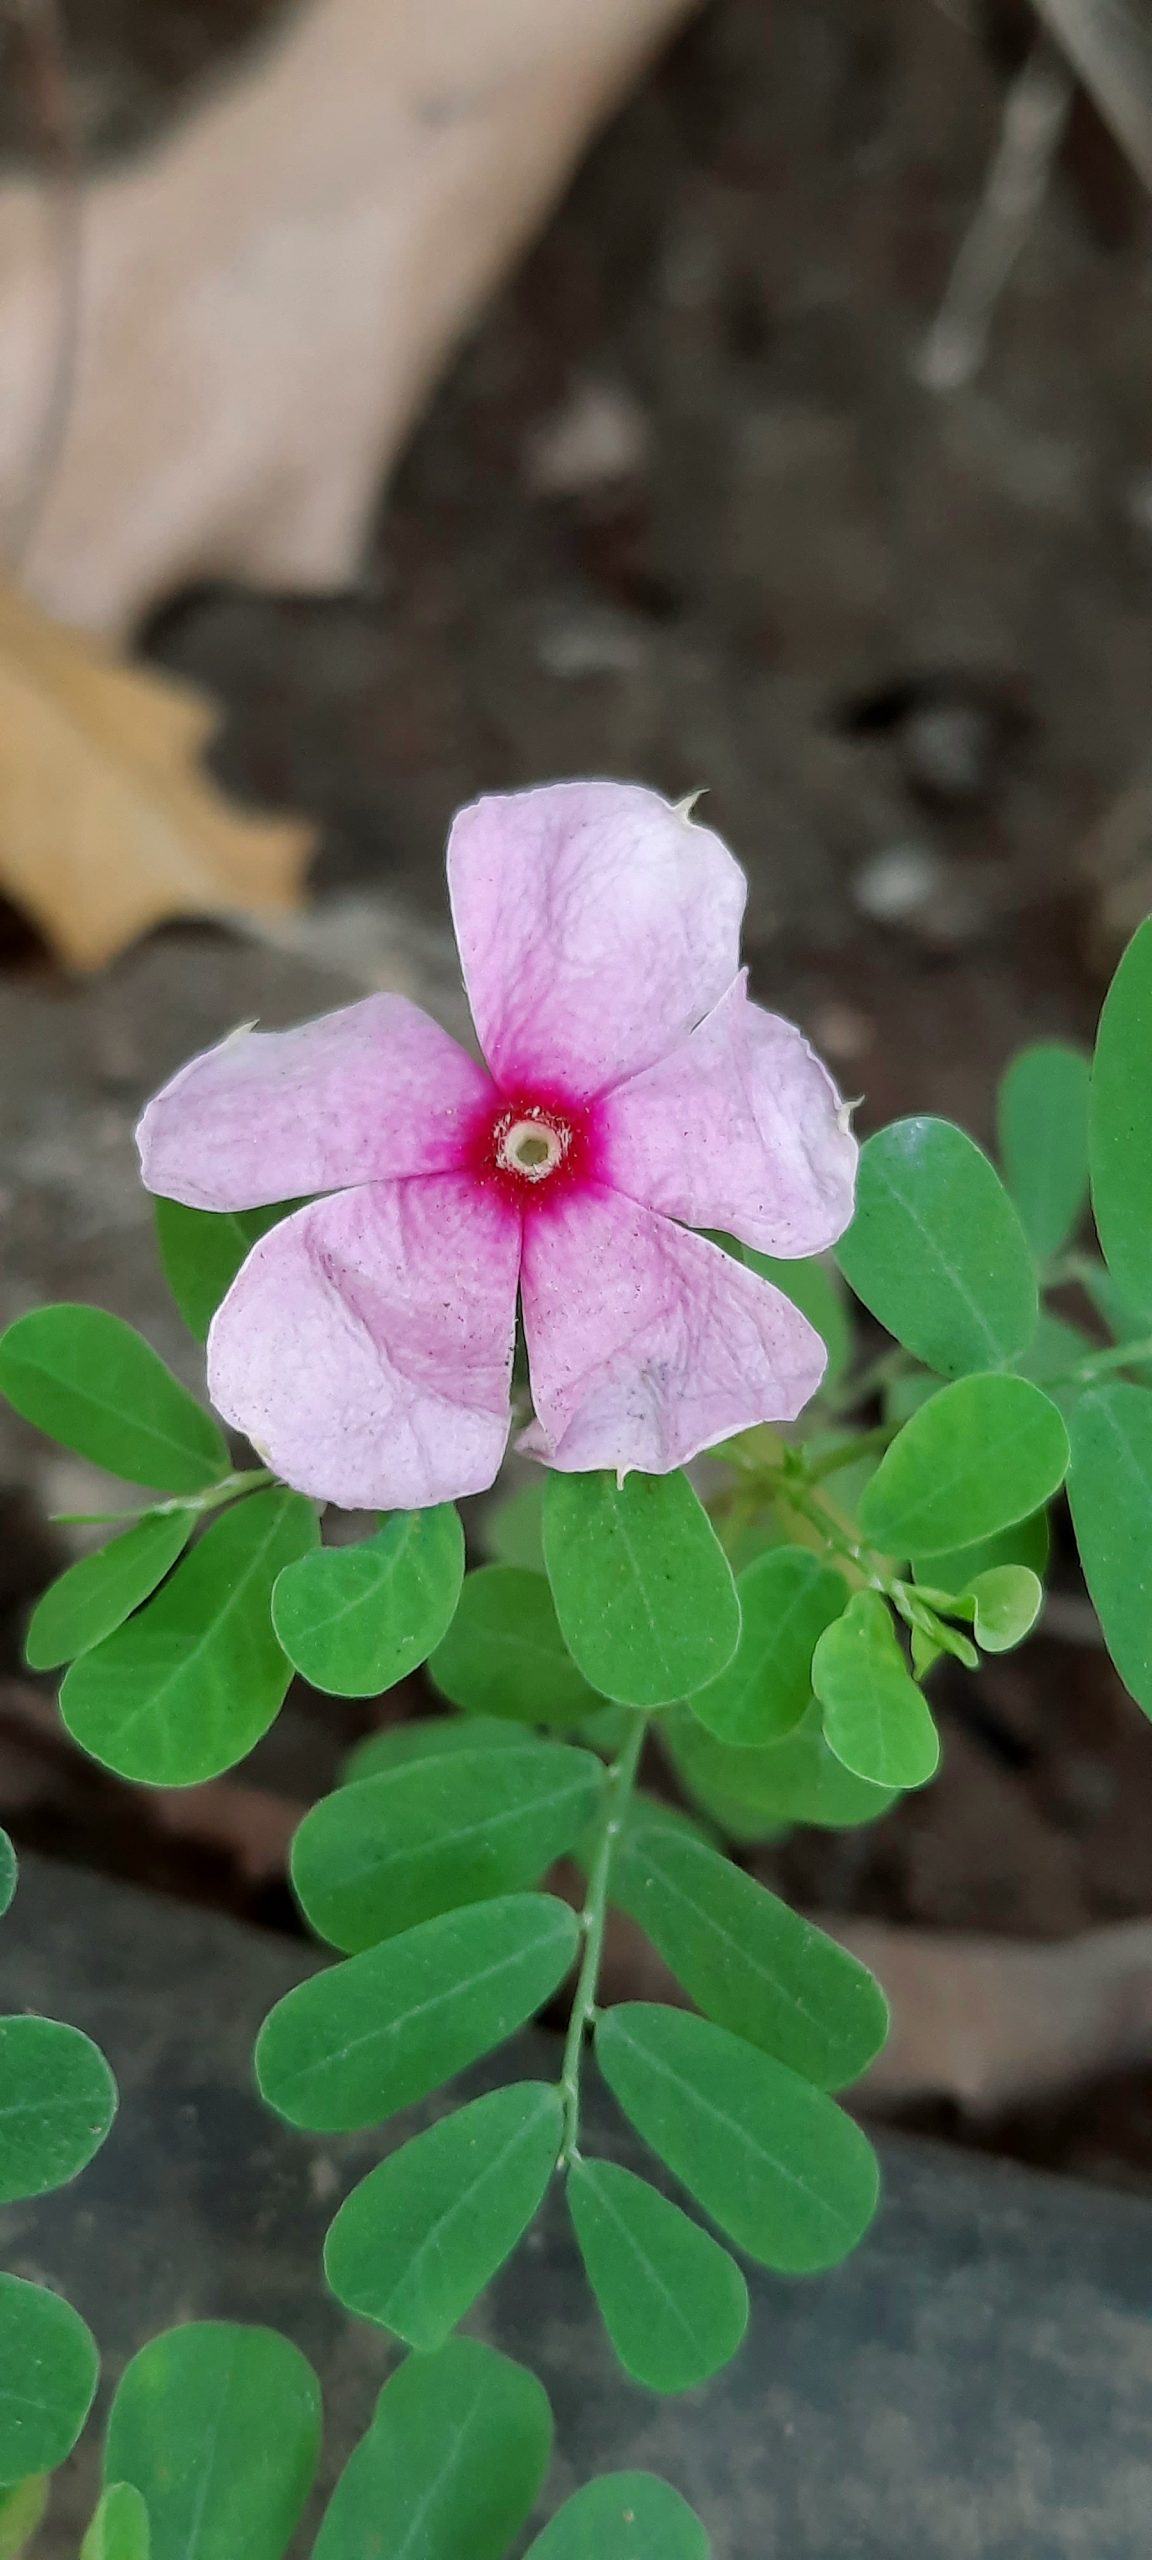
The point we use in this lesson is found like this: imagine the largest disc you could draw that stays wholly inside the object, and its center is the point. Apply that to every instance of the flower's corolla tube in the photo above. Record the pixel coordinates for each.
(631, 1093)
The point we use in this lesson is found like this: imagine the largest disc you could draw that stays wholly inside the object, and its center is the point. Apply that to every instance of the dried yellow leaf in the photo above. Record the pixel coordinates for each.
(106, 825)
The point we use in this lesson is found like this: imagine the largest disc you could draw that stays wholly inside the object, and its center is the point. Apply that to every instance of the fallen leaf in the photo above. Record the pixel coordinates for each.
(269, 293)
(993, 2023)
(106, 825)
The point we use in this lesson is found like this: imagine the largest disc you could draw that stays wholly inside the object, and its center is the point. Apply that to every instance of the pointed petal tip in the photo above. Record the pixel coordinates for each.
(374, 1092)
(596, 925)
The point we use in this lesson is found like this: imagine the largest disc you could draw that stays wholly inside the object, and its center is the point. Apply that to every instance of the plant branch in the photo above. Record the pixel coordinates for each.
(1117, 1355)
(864, 1445)
(593, 1920)
(1032, 129)
(229, 1489)
(242, 1480)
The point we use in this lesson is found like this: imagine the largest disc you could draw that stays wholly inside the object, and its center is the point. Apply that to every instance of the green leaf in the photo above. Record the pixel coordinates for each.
(1042, 1114)
(751, 1794)
(22, 2509)
(217, 2427)
(815, 1286)
(1121, 1124)
(202, 1250)
(504, 1654)
(644, 1593)
(380, 1855)
(119, 2529)
(57, 2101)
(48, 2370)
(512, 1529)
(626, 2515)
(7, 1872)
(787, 1598)
(94, 1597)
(1008, 1602)
(874, 1716)
(451, 2466)
(351, 2046)
(674, 2303)
(185, 1689)
(776, 2163)
(936, 1249)
(982, 1454)
(747, 1960)
(425, 1739)
(92, 1383)
(1026, 1542)
(357, 1619)
(929, 1615)
(422, 2235)
(1110, 1491)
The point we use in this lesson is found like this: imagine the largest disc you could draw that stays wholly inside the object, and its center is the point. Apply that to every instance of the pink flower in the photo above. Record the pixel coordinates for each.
(631, 1093)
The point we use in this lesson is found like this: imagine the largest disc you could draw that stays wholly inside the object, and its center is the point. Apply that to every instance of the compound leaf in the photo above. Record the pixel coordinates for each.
(191, 1682)
(374, 2034)
(674, 2303)
(643, 1590)
(451, 2466)
(422, 2235)
(937, 1251)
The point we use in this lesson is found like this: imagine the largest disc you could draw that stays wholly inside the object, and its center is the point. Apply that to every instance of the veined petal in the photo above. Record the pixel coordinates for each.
(373, 1092)
(741, 1128)
(596, 924)
(365, 1347)
(646, 1343)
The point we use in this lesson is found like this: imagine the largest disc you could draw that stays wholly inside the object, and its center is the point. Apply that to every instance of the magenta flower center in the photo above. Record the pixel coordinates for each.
(531, 1147)
(535, 1144)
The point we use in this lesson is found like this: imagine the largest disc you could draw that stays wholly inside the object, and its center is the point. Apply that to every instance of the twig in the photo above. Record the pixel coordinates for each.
(594, 1921)
(1034, 119)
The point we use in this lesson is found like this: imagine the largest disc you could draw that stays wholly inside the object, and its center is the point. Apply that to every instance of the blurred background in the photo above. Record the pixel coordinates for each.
(755, 398)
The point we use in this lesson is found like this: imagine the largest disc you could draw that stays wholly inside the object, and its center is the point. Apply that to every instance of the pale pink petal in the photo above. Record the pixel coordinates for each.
(364, 1095)
(365, 1347)
(596, 924)
(741, 1129)
(646, 1343)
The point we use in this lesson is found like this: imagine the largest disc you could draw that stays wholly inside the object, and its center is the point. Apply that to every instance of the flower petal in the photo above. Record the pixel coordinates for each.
(364, 1095)
(741, 1128)
(646, 1343)
(365, 1347)
(596, 925)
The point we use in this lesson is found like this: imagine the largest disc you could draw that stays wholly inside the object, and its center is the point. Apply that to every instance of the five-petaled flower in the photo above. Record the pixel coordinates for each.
(631, 1094)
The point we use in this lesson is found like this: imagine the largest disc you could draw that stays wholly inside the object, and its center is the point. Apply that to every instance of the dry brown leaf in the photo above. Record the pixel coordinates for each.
(996, 2022)
(106, 825)
(267, 296)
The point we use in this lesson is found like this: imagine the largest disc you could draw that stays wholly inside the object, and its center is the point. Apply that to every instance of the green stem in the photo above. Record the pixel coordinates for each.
(869, 1381)
(229, 1488)
(242, 1480)
(593, 1920)
(1119, 1355)
(846, 1454)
